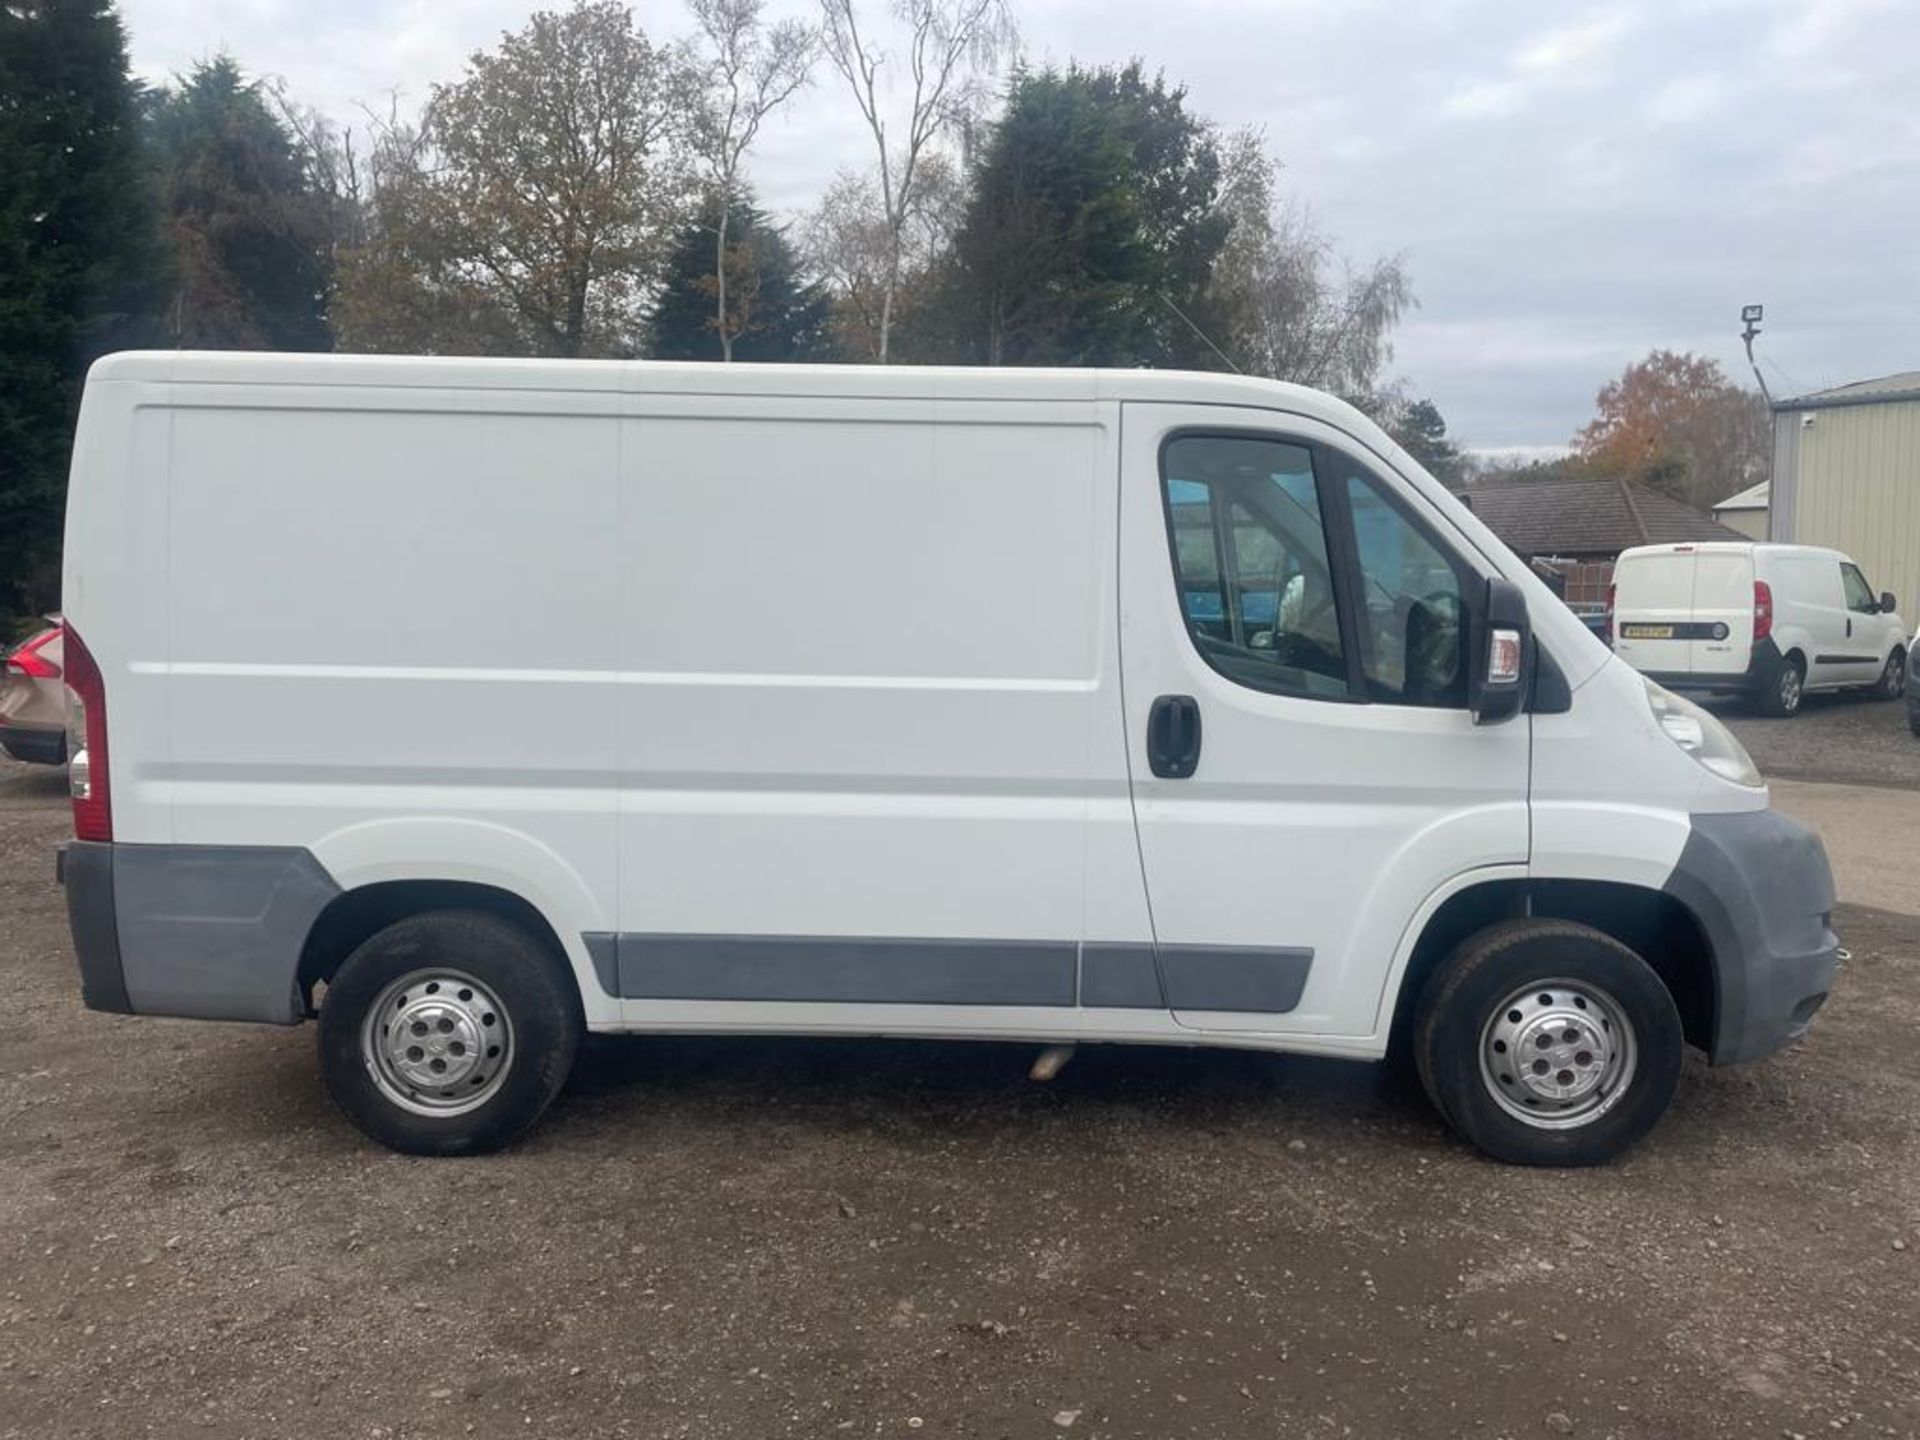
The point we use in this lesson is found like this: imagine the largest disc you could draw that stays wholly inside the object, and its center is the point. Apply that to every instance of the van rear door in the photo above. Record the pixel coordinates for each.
(1652, 608)
(1722, 624)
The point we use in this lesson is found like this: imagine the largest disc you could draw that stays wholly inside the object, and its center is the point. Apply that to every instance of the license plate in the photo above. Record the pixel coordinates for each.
(1646, 632)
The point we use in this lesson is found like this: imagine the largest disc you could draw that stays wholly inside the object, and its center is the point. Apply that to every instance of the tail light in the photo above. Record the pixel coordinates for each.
(1762, 610)
(29, 661)
(1606, 630)
(87, 743)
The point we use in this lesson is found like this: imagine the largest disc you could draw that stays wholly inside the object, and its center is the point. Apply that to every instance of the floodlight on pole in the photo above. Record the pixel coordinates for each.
(1750, 317)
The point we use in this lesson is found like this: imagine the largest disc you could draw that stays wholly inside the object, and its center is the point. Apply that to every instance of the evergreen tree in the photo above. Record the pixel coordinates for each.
(76, 234)
(1093, 218)
(246, 226)
(1422, 433)
(772, 314)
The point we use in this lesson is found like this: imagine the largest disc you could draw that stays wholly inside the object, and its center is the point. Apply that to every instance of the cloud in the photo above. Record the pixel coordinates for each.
(1573, 50)
(1489, 99)
(1576, 55)
(1687, 99)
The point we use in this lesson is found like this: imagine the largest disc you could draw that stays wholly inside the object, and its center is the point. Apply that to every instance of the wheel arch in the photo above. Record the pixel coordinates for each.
(388, 869)
(355, 916)
(1653, 924)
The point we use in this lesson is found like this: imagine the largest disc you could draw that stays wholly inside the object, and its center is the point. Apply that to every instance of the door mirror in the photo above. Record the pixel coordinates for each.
(1502, 654)
(1887, 603)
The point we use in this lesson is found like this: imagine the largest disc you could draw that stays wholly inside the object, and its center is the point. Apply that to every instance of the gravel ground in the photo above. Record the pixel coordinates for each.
(783, 1238)
(1847, 739)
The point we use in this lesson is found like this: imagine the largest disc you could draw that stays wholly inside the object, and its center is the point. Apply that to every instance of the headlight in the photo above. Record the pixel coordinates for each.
(1702, 737)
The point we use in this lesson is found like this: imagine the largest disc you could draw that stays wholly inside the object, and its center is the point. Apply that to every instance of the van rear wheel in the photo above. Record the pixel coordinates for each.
(1782, 694)
(1548, 1043)
(448, 1033)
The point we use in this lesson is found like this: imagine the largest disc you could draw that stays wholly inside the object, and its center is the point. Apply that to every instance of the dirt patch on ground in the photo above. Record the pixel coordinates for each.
(752, 1238)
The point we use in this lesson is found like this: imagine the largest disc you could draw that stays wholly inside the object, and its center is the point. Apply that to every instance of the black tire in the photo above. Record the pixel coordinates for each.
(1465, 1000)
(482, 966)
(1784, 690)
(1893, 679)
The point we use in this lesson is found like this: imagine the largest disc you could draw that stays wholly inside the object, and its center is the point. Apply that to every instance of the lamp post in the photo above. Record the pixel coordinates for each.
(1750, 317)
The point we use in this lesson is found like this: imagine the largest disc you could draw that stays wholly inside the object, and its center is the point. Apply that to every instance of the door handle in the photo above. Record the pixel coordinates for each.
(1849, 627)
(1173, 736)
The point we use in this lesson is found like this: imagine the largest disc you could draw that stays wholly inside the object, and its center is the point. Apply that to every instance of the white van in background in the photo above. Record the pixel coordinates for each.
(1770, 622)
(472, 705)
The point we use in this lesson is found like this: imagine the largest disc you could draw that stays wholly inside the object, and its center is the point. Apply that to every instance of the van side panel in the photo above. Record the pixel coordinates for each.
(390, 605)
(870, 693)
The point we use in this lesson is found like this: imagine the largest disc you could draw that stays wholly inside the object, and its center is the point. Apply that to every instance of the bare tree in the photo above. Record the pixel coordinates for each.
(951, 47)
(848, 243)
(749, 71)
(1301, 310)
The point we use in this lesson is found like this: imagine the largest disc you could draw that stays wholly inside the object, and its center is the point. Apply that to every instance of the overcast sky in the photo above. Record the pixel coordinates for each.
(1572, 184)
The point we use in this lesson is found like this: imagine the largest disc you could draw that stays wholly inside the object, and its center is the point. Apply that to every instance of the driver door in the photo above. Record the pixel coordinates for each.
(1305, 772)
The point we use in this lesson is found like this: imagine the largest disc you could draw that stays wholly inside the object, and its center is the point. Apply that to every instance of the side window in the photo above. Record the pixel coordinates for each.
(1250, 562)
(1413, 626)
(1860, 597)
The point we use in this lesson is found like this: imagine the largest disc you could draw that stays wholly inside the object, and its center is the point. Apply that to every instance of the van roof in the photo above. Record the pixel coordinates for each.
(662, 377)
(1724, 547)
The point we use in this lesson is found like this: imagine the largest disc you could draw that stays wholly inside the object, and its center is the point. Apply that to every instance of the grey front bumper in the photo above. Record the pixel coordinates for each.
(1760, 885)
(210, 932)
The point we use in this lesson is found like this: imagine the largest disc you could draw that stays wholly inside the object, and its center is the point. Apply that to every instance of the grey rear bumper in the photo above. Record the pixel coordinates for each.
(211, 932)
(1760, 885)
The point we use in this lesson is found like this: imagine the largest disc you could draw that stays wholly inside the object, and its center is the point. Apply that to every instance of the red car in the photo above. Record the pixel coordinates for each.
(33, 710)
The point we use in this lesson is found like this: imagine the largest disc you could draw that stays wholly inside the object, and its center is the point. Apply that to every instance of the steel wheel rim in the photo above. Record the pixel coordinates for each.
(1895, 681)
(1790, 689)
(437, 1042)
(1558, 1054)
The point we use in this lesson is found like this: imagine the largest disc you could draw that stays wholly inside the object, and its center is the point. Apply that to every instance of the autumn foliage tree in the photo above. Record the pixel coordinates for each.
(1675, 423)
(531, 209)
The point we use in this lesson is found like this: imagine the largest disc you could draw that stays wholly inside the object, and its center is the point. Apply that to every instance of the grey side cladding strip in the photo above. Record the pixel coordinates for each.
(603, 948)
(88, 875)
(214, 932)
(847, 969)
(1234, 977)
(1119, 977)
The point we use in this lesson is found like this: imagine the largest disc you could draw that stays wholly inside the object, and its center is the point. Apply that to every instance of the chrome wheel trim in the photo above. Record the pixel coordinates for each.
(1791, 689)
(1893, 684)
(1558, 1054)
(437, 1042)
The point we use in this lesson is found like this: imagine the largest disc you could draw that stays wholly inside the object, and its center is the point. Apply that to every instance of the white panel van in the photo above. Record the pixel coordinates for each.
(468, 706)
(1769, 622)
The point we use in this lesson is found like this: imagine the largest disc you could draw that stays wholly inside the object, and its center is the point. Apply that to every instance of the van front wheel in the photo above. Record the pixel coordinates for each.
(1548, 1043)
(447, 1033)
